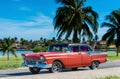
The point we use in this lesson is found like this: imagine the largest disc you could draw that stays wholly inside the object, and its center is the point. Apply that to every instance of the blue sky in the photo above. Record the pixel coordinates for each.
(32, 19)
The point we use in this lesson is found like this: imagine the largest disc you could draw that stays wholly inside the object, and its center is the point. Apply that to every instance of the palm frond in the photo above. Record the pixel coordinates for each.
(71, 16)
(90, 11)
(7, 47)
(87, 31)
(68, 33)
(5, 52)
(89, 20)
(66, 2)
(13, 52)
(110, 32)
(105, 24)
(116, 15)
(81, 3)
(112, 19)
(110, 39)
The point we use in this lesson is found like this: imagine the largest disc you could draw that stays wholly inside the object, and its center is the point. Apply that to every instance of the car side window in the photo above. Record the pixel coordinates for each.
(84, 48)
(65, 49)
(75, 48)
(89, 48)
(56, 48)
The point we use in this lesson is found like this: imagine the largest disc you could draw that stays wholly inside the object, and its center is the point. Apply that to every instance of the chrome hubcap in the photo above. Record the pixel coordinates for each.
(56, 67)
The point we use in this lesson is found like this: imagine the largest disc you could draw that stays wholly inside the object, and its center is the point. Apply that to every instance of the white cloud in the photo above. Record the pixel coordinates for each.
(34, 28)
(101, 32)
(41, 20)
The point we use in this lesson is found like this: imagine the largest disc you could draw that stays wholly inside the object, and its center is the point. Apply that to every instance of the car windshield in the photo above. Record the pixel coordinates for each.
(58, 48)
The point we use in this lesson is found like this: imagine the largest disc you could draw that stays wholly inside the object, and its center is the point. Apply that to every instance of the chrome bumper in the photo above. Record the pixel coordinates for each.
(39, 65)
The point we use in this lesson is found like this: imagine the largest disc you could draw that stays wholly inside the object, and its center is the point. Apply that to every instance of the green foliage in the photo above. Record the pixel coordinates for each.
(8, 47)
(74, 17)
(110, 77)
(40, 49)
(12, 63)
(113, 33)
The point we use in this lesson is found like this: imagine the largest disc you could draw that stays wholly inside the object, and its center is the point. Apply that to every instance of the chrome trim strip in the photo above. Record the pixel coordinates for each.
(39, 65)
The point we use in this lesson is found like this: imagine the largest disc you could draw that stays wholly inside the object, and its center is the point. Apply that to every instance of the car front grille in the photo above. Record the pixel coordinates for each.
(31, 62)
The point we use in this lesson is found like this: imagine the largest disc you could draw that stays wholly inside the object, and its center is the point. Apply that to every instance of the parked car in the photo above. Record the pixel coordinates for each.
(60, 56)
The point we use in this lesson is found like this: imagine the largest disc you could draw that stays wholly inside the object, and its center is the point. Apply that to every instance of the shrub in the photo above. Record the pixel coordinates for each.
(40, 49)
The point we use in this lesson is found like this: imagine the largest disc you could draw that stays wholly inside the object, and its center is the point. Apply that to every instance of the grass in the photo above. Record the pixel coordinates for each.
(110, 77)
(10, 64)
(112, 56)
(16, 62)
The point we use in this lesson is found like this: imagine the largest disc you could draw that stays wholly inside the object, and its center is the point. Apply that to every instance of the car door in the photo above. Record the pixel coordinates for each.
(74, 57)
(85, 55)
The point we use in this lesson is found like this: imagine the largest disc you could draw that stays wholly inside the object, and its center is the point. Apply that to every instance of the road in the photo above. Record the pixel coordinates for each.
(108, 68)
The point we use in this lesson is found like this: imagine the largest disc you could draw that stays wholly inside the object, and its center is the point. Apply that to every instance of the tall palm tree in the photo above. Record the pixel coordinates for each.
(8, 47)
(72, 17)
(113, 33)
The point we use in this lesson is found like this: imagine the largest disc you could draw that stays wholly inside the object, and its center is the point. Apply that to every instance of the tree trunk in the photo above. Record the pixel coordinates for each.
(8, 56)
(117, 51)
(75, 38)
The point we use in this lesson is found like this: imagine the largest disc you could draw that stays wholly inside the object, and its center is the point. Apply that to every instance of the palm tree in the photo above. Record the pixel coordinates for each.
(53, 40)
(113, 33)
(95, 45)
(8, 47)
(72, 17)
(83, 40)
(96, 37)
(41, 40)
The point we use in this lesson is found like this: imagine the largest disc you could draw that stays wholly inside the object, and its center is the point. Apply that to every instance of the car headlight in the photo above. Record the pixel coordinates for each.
(42, 59)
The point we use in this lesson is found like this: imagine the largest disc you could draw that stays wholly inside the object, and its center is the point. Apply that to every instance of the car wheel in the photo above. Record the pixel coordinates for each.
(34, 70)
(56, 67)
(74, 69)
(94, 65)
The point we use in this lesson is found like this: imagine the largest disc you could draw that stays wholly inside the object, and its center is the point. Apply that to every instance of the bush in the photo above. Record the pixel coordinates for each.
(40, 49)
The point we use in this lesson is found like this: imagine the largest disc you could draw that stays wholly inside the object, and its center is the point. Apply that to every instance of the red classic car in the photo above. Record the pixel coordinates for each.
(61, 56)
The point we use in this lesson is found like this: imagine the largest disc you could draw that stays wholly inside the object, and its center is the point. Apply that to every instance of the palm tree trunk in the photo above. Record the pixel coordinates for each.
(75, 38)
(117, 51)
(8, 56)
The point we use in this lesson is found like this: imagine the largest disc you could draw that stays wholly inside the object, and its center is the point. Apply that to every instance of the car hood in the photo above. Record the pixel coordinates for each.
(36, 56)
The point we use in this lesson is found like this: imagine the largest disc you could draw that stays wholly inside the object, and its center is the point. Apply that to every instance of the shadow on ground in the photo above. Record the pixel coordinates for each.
(41, 72)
